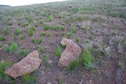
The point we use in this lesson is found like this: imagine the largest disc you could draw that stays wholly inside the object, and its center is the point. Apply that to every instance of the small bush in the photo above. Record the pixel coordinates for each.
(46, 27)
(24, 24)
(5, 31)
(86, 59)
(37, 41)
(45, 59)
(49, 17)
(30, 19)
(89, 8)
(42, 33)
(99, 19)
(31, 31)
(2, 38)
(114, 32)
(22, 52)
(121, 64)
(48, 34)
(32, 28)
(28, 79)
(40, 49)
(90, 37)
(57, 52)
(85, 28)
(56, 28)
(41, 21)
(21, 37)
(3, 65)
(72, 29)
(12, 48)
(17, 31)
(56, 34)
(1, 44)
(69, 35)
(73, 64)
(62, 28)
(113, 14)
(77, 40)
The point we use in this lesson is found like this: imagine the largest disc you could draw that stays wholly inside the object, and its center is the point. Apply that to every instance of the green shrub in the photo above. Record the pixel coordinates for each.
(72, 29)
(56, 28)
(5, 31)
(12, 48)
(89, 8)
(2, 38)
(56, 34)
(60, 81)
(90, 36)
(22, 36)
(99, 19)
(62, 28)
(30, 19)
(45, 59)
(121, 64)
(49, 17)
(3, 75)
(69, 35)
(42, 33)
(85, 28)
(114, 32)
(22, 52)
(28, 79)
(37, 41)
(48, 34)
(46, 27)
(113, 14)
(31, 31)
(73, 64)
(1, 44)
(32, 28)
(86, 59)
(77, 40)
(40, 49)
(17, 31)
(57, 52)
(25, 24)
(41, 21)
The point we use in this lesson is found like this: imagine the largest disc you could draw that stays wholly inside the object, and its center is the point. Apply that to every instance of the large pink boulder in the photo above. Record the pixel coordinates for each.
(71, 52)
(26, 65)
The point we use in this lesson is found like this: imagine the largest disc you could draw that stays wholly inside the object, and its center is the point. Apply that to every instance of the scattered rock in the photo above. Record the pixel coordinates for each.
(3, 47)
(71, 52)
(26, 65)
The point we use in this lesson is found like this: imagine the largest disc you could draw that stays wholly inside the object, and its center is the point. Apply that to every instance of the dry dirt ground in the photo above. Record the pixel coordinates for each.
(100, 24)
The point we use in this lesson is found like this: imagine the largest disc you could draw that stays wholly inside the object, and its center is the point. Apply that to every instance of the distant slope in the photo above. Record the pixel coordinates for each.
(5, 5)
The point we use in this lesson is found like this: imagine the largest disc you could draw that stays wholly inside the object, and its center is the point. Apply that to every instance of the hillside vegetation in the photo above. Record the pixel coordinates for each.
(97, 26)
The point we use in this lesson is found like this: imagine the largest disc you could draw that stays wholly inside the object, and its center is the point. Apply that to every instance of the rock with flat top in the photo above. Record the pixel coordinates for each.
(27, 65)
(71, 52)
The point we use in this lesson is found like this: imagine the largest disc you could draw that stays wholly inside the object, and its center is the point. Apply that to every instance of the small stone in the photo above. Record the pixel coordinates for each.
(25, 66)
(71, 52)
